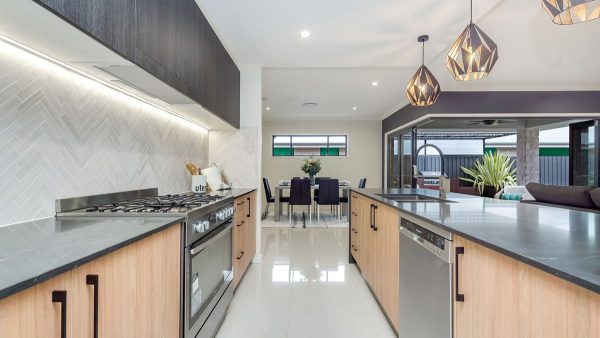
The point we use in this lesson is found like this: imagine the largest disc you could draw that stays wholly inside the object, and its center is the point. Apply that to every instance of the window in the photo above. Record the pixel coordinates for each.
(307, 145)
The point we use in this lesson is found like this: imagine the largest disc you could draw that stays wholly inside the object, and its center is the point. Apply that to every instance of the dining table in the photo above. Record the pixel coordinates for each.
(344, 187)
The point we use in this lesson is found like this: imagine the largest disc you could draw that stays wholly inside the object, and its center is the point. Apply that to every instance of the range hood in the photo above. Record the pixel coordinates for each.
(137, 79)
(38, 29)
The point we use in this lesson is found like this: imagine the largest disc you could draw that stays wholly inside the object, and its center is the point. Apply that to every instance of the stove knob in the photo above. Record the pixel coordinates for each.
(206, 225)
(220, 215)
(199, 227)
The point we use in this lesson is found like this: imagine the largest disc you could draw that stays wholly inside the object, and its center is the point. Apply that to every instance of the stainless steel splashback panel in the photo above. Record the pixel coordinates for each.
(74, 203)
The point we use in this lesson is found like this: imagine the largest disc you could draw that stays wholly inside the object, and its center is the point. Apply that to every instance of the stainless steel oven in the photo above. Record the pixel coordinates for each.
(208, 275)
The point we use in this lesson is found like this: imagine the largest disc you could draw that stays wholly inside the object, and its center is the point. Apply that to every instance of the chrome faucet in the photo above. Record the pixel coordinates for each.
(444, 186)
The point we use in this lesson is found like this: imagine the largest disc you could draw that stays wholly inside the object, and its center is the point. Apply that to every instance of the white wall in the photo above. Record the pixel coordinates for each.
(63, 135)
(364, 151)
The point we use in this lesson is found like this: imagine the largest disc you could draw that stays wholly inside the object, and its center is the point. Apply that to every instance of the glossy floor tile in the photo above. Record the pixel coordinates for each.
(326, 220)
(304, 288)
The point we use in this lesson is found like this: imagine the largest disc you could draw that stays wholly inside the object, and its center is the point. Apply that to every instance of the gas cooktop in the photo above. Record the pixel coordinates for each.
(136, 203)
(157, 204)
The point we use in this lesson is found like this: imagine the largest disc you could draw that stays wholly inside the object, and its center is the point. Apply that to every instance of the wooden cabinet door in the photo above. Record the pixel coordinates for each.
(387, 262)
(88, 280)
(155, 284)
(355, 225)
(32, 313)
(506, 298)
(239, 239)
(251, 234)
(369, 241)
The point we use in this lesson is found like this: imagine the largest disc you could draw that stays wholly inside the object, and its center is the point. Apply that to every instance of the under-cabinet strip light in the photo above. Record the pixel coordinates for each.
(67, 67)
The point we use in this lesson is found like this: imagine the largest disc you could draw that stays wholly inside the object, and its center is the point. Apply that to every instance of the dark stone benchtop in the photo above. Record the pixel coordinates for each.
(237, 192)
(33, 252)
(563, 242)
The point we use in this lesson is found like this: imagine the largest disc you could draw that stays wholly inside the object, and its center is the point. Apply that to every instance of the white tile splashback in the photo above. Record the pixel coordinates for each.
(62, 135)
(235, 152)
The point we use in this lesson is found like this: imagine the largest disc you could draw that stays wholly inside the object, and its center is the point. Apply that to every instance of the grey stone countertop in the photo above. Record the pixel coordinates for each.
(35, 251)
(562, 242)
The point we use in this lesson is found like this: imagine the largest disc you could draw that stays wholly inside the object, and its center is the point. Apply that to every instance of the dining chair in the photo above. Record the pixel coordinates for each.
(270, 198)
(329, 195)
(316, 192)
(300, 195)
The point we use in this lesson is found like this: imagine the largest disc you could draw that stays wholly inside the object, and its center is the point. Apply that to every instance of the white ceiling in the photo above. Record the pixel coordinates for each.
(355, 42)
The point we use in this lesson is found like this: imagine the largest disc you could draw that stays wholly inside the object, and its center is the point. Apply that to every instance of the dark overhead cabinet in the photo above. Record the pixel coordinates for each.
(170, 39)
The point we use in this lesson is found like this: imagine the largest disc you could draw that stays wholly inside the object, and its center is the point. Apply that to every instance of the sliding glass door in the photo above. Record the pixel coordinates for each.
(583, 149)
(399, 165)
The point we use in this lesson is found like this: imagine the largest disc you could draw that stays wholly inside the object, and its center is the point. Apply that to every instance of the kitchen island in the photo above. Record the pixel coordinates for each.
(527, 270)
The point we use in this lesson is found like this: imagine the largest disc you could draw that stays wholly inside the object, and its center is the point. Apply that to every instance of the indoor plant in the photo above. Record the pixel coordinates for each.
(311, 166)
(490, 176)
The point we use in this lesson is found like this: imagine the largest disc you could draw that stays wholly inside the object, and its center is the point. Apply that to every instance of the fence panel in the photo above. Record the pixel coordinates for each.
(553, 169)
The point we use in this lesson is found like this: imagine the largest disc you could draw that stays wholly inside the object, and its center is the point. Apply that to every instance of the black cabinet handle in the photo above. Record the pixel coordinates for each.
(248, 198)
(242, 202)
(240, 257)
(241, 223)
(459, 251)
(374, 217)
(354, 231)
(93, 281)
(354, 247)
(61, 297)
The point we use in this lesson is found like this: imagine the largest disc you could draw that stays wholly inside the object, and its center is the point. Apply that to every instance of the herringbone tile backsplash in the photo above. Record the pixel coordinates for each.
(62, 135)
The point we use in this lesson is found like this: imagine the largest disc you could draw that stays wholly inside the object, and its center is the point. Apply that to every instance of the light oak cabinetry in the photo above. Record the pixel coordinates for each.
(132, 292)
(244, 235)
(507, 298)
(374, 242)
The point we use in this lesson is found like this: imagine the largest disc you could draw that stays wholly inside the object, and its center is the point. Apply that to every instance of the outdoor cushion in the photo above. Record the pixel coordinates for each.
(576, 196)
(595, 195)
(511, 197)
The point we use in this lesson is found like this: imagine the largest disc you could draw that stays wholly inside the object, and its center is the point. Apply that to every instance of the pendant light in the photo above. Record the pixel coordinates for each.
(568, 12)
(423, 89)
(473, 54)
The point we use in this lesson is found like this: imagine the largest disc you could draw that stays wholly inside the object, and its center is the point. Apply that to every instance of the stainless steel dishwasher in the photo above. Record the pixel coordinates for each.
(425, 281)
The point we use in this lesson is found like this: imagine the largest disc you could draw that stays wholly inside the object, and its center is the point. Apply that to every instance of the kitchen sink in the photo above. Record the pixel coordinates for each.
(415, 198)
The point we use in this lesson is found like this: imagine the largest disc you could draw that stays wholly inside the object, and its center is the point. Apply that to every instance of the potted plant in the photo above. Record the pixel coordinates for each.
(311, 166)
(490, 176)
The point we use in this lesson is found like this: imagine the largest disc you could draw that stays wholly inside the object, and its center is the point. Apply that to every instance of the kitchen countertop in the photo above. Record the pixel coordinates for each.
(33, 252)
(563, 242)
(236, 192)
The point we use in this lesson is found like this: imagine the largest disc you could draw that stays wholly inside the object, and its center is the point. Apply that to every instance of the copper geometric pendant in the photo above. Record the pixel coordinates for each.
(472, 56)
(568, 12)
(423, 89)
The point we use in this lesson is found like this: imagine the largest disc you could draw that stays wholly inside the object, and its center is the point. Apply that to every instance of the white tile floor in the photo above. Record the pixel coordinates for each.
(304, 288)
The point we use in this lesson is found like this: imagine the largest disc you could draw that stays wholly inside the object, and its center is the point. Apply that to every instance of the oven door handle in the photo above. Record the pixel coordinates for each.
(209, 242)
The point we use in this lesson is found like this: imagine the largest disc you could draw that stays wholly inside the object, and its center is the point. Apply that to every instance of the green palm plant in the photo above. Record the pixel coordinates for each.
(496, 171)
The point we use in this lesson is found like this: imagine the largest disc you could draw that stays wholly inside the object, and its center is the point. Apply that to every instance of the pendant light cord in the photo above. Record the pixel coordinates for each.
(423, 54)
(471, 12)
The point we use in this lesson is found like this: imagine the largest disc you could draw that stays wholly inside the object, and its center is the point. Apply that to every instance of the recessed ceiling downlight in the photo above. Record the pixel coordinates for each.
(305, 34)
(268, 108)
(309, 104)
(354, 108)
(374, 83)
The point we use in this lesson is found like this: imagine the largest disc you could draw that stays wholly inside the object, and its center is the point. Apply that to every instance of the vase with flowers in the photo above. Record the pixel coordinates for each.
(311, 166)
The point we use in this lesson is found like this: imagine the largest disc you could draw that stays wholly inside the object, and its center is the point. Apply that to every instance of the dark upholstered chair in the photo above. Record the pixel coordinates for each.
(329, 194)
(300, 195)
(317, 180)
(270, 198)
